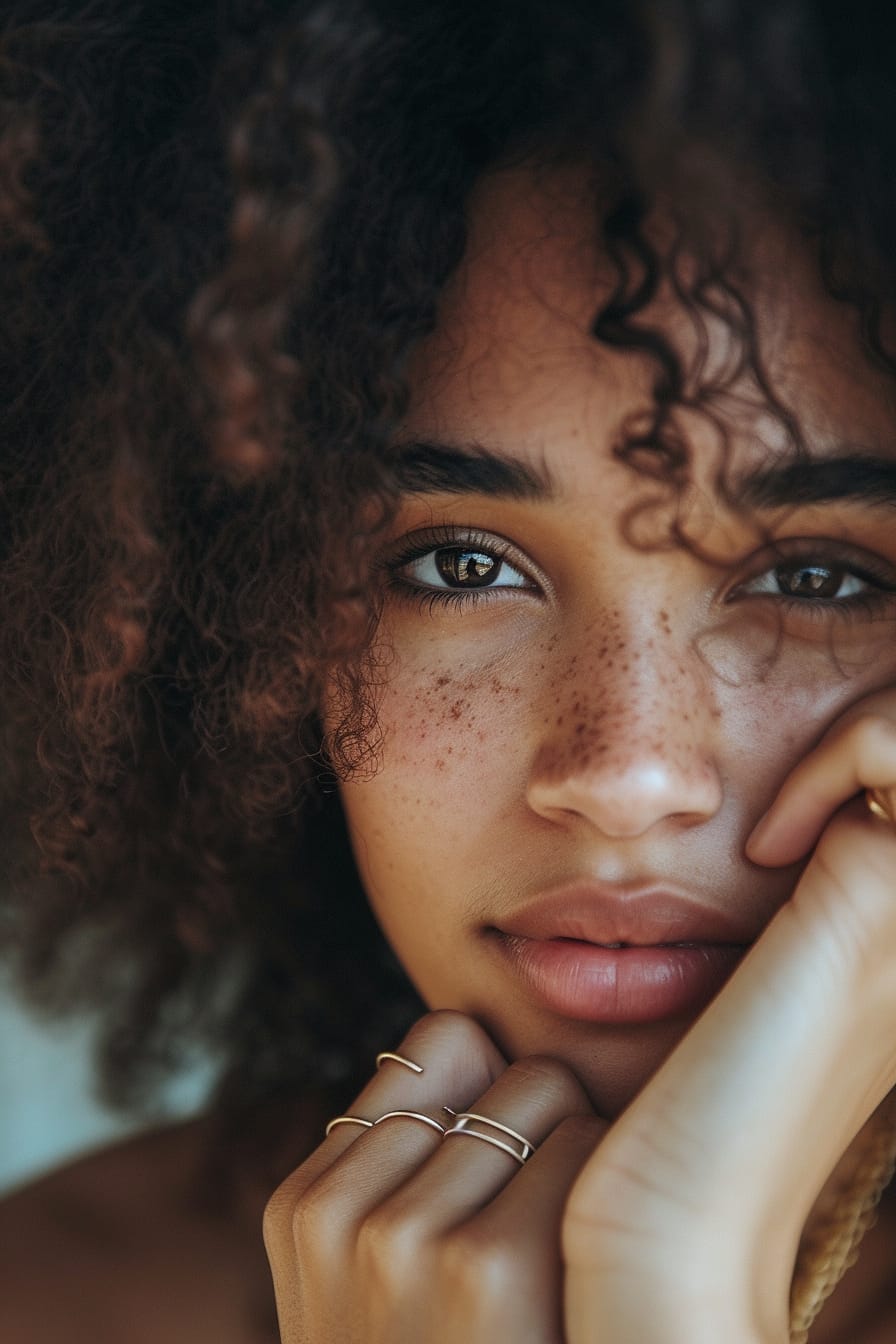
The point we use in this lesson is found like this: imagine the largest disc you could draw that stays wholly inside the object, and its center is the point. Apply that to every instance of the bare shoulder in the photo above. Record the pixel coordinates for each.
(117, 1246)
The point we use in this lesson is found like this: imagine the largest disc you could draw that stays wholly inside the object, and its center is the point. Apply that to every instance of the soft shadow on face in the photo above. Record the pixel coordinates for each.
(567, 710)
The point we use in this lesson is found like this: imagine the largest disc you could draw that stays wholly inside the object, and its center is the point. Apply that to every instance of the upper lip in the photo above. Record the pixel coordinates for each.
(644, 916)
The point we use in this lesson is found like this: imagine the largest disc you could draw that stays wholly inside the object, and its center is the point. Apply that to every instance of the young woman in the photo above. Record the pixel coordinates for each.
(469, 503)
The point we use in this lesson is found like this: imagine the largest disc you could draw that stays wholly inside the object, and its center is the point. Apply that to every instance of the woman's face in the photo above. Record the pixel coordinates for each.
(580, 726)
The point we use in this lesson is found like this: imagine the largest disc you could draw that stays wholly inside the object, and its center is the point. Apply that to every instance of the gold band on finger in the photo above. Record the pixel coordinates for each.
(461, 1127)
(412, 1115)
(399, 1059)
(348, 1120)
(879, 805)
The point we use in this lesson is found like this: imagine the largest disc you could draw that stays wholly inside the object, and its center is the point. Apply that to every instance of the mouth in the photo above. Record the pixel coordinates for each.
(600, 953)
(621, 982)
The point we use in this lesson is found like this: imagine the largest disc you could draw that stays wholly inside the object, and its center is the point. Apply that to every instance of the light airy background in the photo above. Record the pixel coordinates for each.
(48, 1113)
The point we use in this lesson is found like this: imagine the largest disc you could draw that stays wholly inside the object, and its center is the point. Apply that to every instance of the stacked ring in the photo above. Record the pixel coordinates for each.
(462, 1124)
(348, 1120)
(390, 1115)
(399, 1059)
(412, 1115)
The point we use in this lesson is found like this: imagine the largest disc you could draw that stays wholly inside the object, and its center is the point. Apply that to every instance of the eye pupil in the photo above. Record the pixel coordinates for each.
(810, 580)
(467, 569)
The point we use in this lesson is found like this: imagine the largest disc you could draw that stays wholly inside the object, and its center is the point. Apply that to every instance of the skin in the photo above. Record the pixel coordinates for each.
(624, 713)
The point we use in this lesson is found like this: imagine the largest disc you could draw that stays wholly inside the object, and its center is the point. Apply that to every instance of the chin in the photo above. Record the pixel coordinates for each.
(612, 1062)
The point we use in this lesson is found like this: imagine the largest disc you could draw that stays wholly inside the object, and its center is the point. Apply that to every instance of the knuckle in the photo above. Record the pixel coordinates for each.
(389, 1241)
(476, 1265)
(465, 1054)
(446, 1026)
(277, 1219)
(872, 735)
(317, 1222)
(552, 1078)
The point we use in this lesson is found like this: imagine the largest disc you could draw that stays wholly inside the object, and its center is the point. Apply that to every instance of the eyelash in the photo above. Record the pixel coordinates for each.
(795, 554)
(828, 555)
(444, 539)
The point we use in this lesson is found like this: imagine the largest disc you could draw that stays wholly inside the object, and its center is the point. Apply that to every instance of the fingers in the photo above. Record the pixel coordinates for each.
(464, 1174)
(858, 753)
(750, 1114)
(458, 1060)
(503, 1268)
(392, 1224)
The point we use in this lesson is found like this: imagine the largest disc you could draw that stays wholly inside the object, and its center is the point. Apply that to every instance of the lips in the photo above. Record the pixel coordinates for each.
(618, 954)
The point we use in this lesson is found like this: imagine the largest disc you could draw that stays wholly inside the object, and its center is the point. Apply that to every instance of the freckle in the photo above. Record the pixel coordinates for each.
(442, 681)
(457, 709)
(559, 720)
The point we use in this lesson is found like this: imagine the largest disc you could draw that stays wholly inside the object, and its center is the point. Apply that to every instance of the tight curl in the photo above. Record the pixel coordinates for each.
(224, 229)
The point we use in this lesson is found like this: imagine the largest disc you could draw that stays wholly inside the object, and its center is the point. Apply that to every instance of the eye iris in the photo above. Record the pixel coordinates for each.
(467, 569)
(810, 580)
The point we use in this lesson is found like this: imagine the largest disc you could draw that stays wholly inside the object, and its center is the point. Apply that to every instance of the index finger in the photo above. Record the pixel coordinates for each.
(857, 753)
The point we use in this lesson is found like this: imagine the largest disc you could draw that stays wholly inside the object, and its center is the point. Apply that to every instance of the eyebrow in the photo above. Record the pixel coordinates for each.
(469, 468)
(853, 475)
(424, 467)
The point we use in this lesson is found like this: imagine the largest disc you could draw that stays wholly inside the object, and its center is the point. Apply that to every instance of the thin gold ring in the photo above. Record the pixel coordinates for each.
(412, 1115)
(879, 805)
(399, 1059)
(348, 1120)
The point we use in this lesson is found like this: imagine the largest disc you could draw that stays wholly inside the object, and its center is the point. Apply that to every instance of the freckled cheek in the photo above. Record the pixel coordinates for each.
(437, 722)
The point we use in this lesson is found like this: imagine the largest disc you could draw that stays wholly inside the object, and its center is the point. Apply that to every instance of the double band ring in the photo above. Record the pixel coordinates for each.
(465, 1119)
(879, 805)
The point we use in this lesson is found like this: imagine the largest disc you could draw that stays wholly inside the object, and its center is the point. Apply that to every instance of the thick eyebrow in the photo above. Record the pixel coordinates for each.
(467, 468)
(860, 476)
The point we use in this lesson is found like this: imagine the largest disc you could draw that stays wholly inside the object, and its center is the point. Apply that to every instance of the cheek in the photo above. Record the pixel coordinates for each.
(452, 756)
(771, 722)
(440, 725)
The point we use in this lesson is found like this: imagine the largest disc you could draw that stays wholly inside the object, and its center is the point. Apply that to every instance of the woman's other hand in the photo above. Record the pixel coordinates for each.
(686, 1221)
(390, 1235)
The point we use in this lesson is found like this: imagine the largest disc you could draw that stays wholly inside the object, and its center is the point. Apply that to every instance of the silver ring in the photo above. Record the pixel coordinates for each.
(399, 1059)
(461, 1127)
(347, 1120)
(412, 1115)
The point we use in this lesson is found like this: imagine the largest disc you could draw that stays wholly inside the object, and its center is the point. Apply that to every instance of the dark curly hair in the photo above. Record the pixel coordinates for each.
(225, 227)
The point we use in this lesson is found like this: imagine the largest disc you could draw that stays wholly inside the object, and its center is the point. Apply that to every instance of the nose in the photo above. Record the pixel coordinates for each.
(630, 741)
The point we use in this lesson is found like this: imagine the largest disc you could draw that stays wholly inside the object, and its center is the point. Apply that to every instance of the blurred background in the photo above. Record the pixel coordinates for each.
(48, 1113)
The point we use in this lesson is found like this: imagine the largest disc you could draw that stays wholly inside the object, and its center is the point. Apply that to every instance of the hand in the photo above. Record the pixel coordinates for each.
(686, 1221)
(389, 1235)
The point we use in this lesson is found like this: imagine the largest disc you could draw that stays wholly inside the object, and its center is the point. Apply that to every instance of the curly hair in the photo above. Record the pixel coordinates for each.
(225, 228)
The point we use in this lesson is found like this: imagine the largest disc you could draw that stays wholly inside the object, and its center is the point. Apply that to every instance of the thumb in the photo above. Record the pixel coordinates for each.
(724, 1152)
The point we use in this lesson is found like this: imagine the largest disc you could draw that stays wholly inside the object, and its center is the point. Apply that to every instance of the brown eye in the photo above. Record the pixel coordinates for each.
(819, 581)
(467, 569)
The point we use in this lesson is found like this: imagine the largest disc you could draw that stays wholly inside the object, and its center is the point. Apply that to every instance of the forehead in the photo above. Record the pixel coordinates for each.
(512, 354)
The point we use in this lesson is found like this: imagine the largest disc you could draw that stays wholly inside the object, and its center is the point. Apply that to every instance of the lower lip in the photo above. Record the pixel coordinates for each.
(624, 984)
